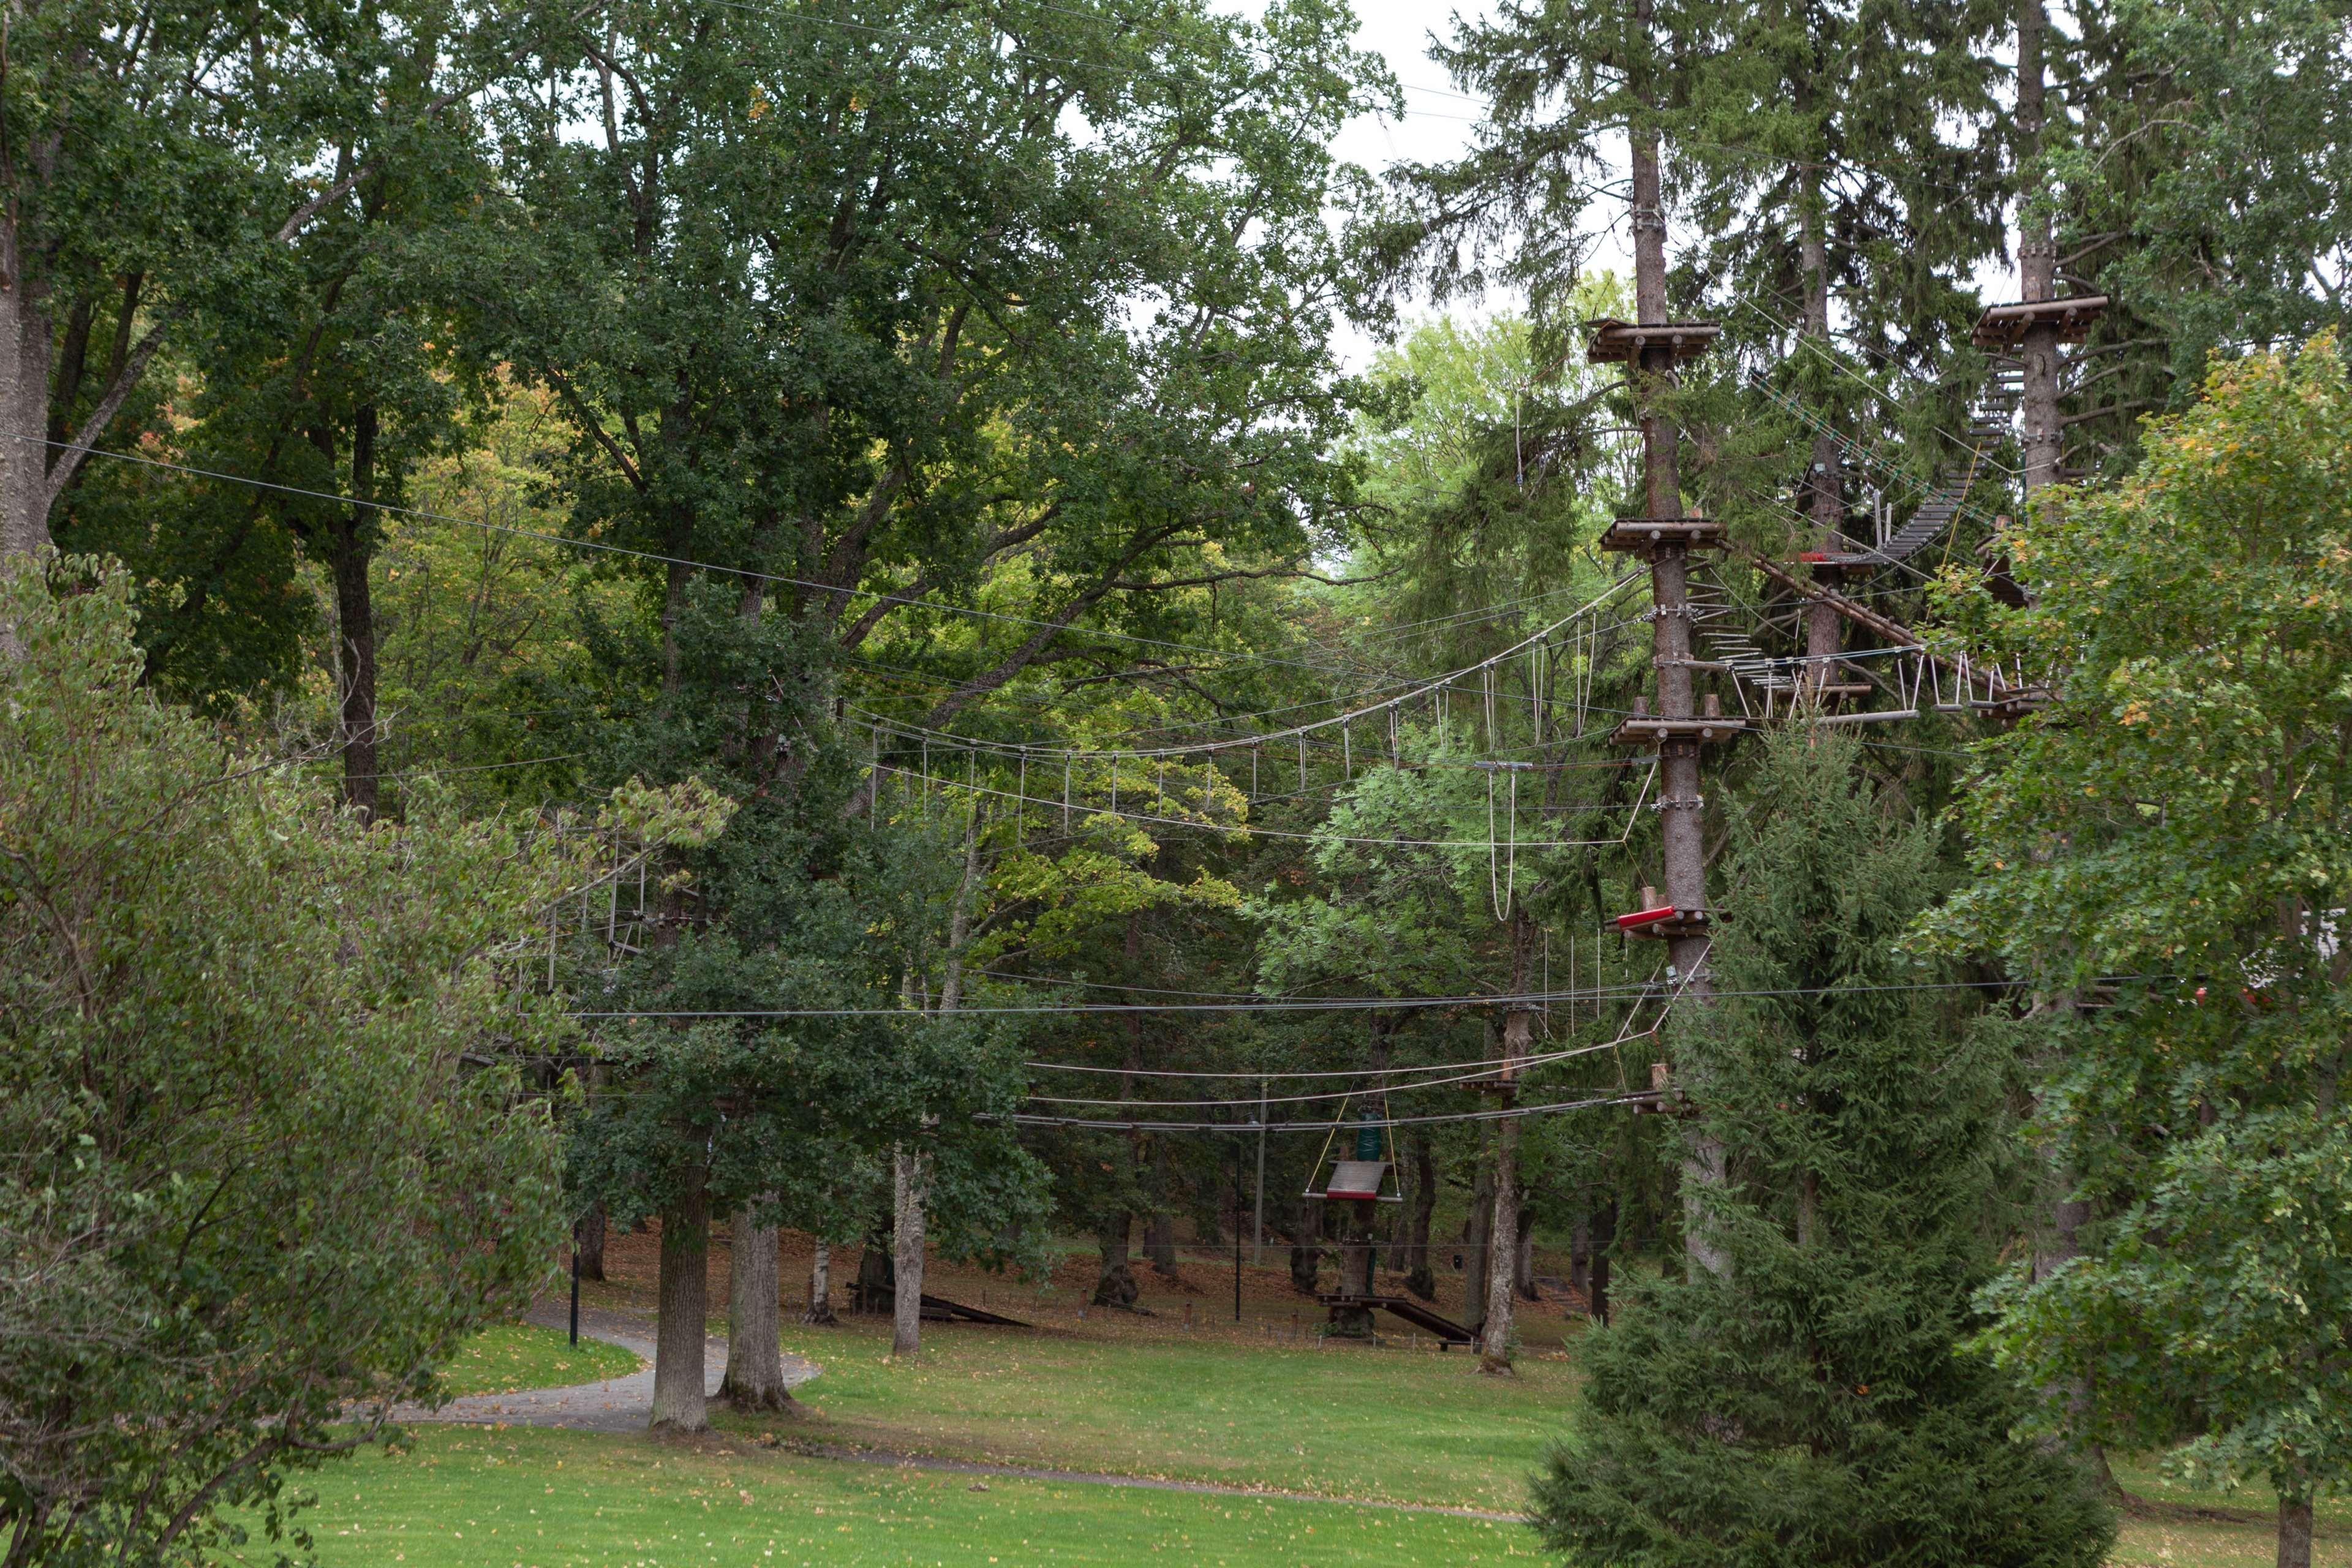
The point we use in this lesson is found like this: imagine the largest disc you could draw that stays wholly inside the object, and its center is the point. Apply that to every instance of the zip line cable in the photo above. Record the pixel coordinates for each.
(1627, 1032)
(1529, 1000)
(1505, 1113)
(1546, 1059)
(1425, 687)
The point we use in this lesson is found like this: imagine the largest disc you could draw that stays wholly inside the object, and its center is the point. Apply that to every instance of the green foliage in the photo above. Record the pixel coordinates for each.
(1810, 1404)
(264, 1174)
(2178, 818)
(2200, 180)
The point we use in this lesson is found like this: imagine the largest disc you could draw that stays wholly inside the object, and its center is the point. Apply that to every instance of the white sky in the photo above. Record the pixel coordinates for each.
(1435, 128)
(1437, 119)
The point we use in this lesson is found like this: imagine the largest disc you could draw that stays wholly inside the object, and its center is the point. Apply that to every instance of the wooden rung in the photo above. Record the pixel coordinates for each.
(1615, 341)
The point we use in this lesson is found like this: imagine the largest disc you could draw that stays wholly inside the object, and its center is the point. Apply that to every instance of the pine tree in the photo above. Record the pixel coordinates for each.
(1811, 1404)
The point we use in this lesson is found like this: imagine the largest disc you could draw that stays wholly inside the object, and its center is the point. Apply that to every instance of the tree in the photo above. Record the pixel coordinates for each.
(1811, 1404)
(155, 160)
(859, 315)
(2196, 172)
(268, 1166)
(2177, 818)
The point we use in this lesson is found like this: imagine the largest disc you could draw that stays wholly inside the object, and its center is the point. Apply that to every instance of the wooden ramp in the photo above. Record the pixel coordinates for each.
(1448, 1333)
(939, 1310)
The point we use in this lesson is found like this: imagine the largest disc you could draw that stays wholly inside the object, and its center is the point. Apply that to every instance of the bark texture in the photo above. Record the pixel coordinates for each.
(755, 1366)
(679, 1398)
(1605, 1239)
(1306, 1249)
(25, 339)
(875, 1291)
(1476, 1232)
(1680, 823)
(591, 1242)
(907, 1297)
(2294, 1531)
(2037, 257)
(1495, 1330)
(819, 1297)
(1114, 1283)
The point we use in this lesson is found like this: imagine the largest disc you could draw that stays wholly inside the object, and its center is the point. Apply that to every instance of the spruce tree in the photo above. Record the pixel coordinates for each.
(1811, 1404)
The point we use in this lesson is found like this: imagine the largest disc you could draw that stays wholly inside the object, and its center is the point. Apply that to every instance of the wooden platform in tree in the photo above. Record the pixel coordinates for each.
(1648, 730)
(1615, 341)
(1643, 536)
(2003, 327)
(1668, 923)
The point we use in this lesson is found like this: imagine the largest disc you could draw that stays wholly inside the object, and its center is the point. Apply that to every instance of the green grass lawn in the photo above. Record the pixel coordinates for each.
(521, 1355)
(1349, 1422)
(1378, 1425)
(463, 1499)
(2186, 1527)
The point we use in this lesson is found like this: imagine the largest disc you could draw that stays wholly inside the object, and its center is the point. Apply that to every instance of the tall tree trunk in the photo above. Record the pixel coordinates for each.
(679, 1385)
(1307, 1248)
(755, 1367)
(1114, 1283)
(25, 346)
(2037, 258)
(1117, 1277)
(906, 1301)
(1477, 1231)
(1503, 1229)
(910, 1189)
(1605, 1241)
(1682, 826)
(819, 1297)
(1501, 1269)
(1579, 1255)
(876, 1288)
(1825, 498)
(1523, 1276)
(1420, 1280)
(591, 1242)
(353, 551)
(1354, 1323)
(2294, 1529)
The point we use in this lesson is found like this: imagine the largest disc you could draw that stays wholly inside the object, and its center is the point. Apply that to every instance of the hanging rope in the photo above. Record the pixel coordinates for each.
(1503, 890)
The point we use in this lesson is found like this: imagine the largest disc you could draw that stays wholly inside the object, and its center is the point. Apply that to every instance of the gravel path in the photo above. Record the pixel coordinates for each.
(616, 1405)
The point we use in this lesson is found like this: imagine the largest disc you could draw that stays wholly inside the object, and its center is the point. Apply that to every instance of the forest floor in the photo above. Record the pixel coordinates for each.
(1350, 1447)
